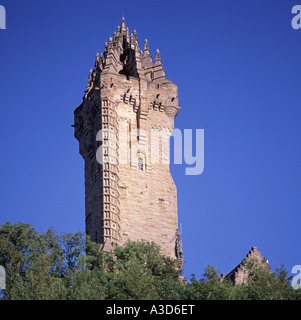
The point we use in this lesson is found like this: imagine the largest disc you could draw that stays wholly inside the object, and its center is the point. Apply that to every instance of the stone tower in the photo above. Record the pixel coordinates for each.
(122, 126)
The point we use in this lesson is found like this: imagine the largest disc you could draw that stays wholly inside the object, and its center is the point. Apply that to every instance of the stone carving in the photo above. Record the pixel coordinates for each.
(179, 246)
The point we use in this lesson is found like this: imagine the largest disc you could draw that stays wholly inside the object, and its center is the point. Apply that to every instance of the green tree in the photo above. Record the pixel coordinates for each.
(263, 284)
(70, 266)
(43, 266)
(30, 260)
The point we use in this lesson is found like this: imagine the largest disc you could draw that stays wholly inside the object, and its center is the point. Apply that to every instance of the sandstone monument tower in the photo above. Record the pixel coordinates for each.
(129, 192)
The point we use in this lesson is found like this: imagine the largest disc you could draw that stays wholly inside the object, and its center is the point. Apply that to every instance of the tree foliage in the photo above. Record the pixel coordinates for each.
(44, 266)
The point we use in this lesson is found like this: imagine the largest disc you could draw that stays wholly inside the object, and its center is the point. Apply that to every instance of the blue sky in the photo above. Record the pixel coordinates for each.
(237, 66)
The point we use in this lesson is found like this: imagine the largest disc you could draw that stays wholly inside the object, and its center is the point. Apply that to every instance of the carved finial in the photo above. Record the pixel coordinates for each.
(110, 46)
(127, 35)
(96, 61)
(90, 84)
(90, 76)
(101, 60)
(134, 41)
(146, 48)
(123, 27)
(106, 48)
(158, 58)
(158, 71)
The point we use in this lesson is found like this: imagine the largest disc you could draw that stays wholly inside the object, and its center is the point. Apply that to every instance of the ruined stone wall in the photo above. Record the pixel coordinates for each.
(240, 274)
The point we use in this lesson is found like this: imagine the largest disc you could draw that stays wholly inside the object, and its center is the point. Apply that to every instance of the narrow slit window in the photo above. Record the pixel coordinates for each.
(140, 164)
